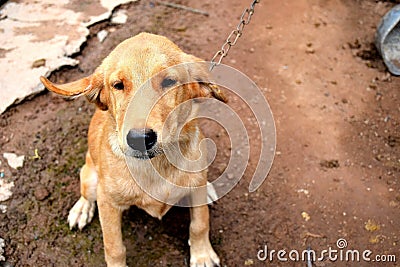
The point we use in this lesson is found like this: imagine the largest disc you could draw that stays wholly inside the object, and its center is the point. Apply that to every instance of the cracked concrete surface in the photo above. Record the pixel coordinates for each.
(38, 37)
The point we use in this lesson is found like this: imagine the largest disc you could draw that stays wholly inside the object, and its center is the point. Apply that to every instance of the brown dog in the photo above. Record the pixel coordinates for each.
(126, 154)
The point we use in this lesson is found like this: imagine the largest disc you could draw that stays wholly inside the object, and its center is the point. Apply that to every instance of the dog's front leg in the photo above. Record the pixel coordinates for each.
(110, 220)
(201, 251)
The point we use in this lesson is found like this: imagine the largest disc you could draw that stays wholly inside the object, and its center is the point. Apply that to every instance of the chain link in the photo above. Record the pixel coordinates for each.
(234, 35)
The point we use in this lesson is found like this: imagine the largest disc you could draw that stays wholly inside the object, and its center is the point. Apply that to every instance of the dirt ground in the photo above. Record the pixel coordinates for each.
(337, 167)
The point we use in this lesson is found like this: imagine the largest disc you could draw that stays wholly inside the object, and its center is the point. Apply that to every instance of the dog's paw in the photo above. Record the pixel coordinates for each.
(81, 213)
(204, 258)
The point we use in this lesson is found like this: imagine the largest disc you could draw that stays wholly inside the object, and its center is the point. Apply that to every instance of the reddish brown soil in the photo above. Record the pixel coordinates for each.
(337, 115)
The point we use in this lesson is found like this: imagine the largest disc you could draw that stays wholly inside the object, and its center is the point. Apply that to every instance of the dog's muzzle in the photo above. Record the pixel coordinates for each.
(142, 141)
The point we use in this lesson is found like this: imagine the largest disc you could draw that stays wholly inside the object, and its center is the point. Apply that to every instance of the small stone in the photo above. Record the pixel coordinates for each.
(305, 191)
(5, 190)
(13, 160)
(310, 50)
(305, 216)
(102, 35)
(3, 208)
(41, 193)
(120, 17)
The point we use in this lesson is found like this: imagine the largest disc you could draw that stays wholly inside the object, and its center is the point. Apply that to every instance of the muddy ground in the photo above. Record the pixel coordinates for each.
(337, 113)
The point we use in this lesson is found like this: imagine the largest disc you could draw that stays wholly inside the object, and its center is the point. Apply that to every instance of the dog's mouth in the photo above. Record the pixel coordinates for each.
(144, 155)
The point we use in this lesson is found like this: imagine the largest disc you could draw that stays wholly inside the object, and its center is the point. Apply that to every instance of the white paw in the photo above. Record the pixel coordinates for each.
(81, 213)
(205, 257)
(211, 193)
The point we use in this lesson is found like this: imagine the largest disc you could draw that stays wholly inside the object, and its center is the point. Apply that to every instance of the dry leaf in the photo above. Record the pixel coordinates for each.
(371, 226)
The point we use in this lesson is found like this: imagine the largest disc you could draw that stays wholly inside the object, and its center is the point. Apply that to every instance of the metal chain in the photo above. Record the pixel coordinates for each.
(234, 35)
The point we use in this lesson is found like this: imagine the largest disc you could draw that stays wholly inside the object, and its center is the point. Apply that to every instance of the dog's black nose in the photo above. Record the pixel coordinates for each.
(141, 139)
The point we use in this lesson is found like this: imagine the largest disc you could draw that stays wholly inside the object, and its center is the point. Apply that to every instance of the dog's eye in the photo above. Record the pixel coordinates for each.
(168, 82)
(118, 85)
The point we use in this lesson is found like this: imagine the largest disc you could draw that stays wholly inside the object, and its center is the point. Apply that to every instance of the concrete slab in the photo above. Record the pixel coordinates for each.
(38, 37)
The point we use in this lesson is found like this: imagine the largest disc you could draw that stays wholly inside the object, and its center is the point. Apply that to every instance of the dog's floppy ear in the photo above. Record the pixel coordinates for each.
(198, 71)
(90, 86)
(212, 90)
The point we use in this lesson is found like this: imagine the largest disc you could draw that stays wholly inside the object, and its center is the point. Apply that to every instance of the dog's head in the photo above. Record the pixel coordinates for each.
(140, 83)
